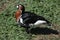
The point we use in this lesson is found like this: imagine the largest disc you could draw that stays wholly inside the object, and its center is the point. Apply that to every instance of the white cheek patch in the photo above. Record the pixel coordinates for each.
(39, 22)
(17, 6)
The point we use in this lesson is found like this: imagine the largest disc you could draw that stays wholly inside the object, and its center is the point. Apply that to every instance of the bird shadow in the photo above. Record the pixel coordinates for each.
(45, 31)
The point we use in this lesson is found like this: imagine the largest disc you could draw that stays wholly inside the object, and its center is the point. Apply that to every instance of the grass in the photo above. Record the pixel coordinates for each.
(50, 9)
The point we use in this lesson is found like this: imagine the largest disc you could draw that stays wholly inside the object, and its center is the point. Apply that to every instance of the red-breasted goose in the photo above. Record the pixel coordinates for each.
(28, 19)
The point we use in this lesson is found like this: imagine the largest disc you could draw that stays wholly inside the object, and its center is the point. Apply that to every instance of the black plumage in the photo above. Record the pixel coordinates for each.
(26, 18)
(31, 18)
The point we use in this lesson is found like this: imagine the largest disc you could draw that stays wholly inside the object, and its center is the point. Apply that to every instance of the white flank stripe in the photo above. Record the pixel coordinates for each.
(39, 22)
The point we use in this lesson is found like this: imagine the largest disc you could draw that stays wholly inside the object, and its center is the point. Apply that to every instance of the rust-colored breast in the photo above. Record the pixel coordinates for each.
(17, 14)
